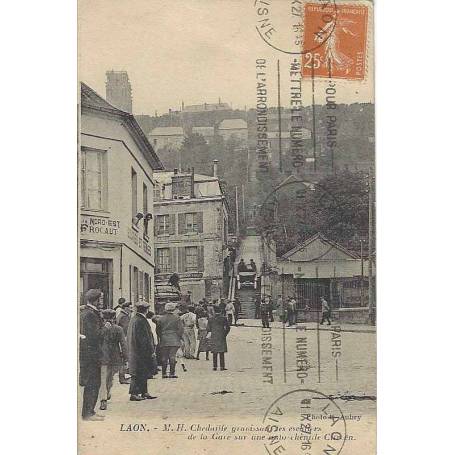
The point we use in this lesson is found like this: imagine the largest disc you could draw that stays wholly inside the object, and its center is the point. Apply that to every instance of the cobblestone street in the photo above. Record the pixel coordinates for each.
(214, 396)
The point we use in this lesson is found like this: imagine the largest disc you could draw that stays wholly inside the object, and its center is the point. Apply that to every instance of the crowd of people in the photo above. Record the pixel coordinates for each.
(132, 339)
(285, 309)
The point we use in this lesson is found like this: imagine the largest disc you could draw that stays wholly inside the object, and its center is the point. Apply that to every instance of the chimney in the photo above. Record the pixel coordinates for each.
(176, 171)
(215, 168)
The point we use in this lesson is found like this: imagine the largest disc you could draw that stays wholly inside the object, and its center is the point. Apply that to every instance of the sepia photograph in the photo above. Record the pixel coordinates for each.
(227, 256)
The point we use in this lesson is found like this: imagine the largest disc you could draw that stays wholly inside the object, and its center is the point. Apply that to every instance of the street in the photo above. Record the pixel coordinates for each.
(242, 394)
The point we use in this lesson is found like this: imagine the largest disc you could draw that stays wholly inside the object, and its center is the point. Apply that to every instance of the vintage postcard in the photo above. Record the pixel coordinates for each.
(226, 170)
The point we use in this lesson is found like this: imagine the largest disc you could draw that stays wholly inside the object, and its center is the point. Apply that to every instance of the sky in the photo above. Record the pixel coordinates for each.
(193, 51)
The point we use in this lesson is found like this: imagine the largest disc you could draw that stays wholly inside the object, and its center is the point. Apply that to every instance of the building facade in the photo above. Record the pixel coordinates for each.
(235, 128)
(191, 228)
(118, 90)
(116, 164)
(167, 137)
(320, 267)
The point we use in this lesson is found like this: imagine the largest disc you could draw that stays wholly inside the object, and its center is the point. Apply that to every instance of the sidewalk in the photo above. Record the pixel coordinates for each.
(345, 327)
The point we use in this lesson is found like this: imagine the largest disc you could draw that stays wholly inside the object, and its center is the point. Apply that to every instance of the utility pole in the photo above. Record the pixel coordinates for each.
(237, 229)
(243, 203)
(361, 273)
(279, 119)
(371, 303)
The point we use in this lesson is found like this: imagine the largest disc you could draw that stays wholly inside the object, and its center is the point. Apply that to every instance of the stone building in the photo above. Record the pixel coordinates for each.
(116, 165)
(167, 137)
(191, 227)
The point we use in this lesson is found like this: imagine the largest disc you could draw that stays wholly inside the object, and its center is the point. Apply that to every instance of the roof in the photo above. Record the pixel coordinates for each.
(204, 185)
(167, 131)
(232, 124)
(204, 130)
(91, 101)
(330, 244)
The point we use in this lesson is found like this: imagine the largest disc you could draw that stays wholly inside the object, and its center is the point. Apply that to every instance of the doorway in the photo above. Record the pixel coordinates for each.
(97, 274)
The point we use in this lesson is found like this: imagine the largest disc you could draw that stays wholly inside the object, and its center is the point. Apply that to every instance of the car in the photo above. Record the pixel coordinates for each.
(165, 293)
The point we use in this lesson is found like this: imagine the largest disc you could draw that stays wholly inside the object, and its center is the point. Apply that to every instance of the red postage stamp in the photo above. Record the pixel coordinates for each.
(334, 41)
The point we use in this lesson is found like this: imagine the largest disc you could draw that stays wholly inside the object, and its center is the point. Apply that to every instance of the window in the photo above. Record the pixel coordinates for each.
(145, 208)
(157, 194)
(133, 194)
(191, 222)
(135, 285)
(93, 179)
(191, 259)
(162, 224)
(163, 256)
(146, 287)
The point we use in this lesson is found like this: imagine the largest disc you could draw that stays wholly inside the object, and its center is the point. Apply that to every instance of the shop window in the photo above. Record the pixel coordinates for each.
(163, 259)
(93, 179)
(191, 259)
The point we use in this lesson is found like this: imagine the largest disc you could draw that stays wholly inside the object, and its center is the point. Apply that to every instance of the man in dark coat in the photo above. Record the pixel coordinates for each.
(141, 353)
(123, 320)
(90, 354)
(169, 329)
(265, 312)
(218, 327)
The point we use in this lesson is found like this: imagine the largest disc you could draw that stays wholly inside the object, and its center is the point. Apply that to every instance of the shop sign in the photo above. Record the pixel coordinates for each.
(98, 225)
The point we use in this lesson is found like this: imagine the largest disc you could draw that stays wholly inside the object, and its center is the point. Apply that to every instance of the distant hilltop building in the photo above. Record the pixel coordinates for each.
(118, 90)
(206, 107)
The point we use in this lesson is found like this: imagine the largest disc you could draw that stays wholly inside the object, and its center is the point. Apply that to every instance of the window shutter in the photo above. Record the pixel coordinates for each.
(156, 261)
(172, 224)
(181, 220)
(200, 222)
(173, 259)
(200, 258)
(155, 224)
(181, 259)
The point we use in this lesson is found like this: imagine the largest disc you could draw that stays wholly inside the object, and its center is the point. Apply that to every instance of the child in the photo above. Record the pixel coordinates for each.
(203, 346)
(113, 349)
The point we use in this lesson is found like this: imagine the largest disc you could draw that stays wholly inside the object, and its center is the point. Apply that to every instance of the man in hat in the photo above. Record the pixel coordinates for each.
(141, 351)
(113, 354)
(169, 329)
(90, 354)
(217, 330)
(123, 320)
(119, 305)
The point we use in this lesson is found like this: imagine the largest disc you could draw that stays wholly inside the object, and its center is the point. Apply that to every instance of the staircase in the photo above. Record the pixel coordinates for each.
(247, 297)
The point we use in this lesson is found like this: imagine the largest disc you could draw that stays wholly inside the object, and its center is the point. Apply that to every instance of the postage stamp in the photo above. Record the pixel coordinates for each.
(342, 32)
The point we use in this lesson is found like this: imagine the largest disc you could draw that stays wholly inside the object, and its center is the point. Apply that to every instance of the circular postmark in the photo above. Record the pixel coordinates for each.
(304, 421)
(291, 211)
(281, 24)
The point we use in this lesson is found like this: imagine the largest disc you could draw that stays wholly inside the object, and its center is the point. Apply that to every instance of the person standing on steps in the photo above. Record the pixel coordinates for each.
(169, 329)
(326, 311)
(237, 310)
(217, 330)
